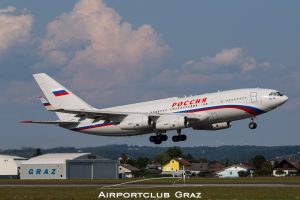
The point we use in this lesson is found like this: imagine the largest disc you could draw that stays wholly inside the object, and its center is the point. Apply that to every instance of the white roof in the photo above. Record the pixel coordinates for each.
(54, 158)
(12, 157)
(233, 167)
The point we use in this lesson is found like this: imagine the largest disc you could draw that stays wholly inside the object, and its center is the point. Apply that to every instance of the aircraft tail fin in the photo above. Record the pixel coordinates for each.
(59, 97)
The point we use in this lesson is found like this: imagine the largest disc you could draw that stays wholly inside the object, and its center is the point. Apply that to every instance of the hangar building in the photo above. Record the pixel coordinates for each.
(69, 166)
(9, 166)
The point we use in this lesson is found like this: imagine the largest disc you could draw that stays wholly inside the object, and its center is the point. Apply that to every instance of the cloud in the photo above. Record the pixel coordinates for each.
(15, 28)
(233, 57)
(226, 69)
(97, 47)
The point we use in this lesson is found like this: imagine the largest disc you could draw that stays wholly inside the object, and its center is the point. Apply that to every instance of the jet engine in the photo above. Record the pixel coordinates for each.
(136, 122)
(171, 122)
(216, 126)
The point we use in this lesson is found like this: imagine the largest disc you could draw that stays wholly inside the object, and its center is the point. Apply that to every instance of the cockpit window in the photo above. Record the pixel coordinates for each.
(275, 94)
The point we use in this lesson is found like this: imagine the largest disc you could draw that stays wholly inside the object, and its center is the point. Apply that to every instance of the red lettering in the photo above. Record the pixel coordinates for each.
(189, 102)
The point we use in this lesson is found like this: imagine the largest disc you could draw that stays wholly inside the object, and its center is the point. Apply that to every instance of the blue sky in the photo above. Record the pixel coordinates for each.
(116, 52)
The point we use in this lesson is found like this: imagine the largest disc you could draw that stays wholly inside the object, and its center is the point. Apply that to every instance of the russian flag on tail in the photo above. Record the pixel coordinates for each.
(58, 93)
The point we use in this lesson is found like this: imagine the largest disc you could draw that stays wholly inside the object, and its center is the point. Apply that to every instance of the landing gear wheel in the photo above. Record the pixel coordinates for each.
(157, 142)
(158, 139)
(252, 125)
(164, 137)
(175, 138)
(152, 138)
(182, 137)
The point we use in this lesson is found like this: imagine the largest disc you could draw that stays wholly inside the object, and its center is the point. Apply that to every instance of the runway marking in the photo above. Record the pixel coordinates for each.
(137, 181)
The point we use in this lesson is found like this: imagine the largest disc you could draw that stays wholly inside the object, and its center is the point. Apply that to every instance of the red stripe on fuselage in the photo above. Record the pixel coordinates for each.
(92, 126)
(244, 108)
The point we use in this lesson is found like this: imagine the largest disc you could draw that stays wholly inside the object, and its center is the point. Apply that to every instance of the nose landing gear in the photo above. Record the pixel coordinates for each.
(252, 125)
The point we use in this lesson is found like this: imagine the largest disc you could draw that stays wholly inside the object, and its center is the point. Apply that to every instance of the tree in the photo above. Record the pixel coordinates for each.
(189, 157)
(124, 158)
(205, 174)
(258, 161)
(37, 152)
(298, 172)
(243, 173)
(227, 162)
(174, 152)
(162, 158)
(204, 160)
(141, 162)
(265, 170)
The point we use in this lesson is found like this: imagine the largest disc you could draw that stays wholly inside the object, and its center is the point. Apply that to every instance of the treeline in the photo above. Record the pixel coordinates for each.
(261, 166)
(235, 153)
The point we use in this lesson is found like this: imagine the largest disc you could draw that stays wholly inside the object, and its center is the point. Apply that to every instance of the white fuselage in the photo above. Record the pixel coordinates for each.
(223, 106)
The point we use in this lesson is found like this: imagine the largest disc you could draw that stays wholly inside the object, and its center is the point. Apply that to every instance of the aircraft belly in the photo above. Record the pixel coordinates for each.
(228, 114)
(113, 130)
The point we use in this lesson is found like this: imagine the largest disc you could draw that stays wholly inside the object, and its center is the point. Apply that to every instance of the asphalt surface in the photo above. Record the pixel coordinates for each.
(154, 185)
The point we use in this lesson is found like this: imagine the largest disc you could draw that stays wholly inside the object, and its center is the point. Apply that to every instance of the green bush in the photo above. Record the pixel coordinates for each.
(243, 173)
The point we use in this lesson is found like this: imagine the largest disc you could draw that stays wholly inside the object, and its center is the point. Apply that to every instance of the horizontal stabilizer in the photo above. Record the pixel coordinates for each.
(58, 122)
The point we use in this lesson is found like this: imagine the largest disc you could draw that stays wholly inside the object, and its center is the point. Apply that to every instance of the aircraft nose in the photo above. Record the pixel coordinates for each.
(285, 99)
(282, 100)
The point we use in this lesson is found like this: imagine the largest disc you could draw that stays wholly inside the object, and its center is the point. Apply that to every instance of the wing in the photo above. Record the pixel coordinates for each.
(100, 114)
(110, 115)
(58, 122)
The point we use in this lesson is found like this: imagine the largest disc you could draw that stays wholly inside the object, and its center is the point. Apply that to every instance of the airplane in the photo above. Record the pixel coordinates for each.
(210, 111)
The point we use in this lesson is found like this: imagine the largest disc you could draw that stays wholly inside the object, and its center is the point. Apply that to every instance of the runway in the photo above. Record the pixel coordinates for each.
(106, 186)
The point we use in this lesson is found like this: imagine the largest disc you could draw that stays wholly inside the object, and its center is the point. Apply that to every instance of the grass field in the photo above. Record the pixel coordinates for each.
(82, 189)
(212, 193)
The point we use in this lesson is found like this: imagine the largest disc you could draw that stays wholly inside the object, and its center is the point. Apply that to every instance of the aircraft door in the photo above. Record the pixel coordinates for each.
(253, 97)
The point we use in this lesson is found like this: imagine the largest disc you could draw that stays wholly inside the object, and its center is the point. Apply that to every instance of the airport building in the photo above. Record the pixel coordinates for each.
(69, 166)
(10, 166)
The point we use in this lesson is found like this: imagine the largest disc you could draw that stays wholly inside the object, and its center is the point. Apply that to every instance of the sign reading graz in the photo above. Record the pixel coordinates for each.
(39, 171)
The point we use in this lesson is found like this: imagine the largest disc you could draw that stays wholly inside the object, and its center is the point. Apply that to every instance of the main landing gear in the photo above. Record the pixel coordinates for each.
(179, 137)
(252, 125)
(158, 139)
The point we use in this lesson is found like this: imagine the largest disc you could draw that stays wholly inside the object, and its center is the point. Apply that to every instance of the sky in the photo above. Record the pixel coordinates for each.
(117, 52)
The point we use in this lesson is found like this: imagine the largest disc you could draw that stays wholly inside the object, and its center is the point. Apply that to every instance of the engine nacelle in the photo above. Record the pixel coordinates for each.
(171, 122)
(216, 126)
(136, 122)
